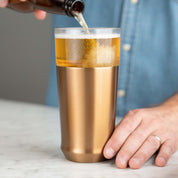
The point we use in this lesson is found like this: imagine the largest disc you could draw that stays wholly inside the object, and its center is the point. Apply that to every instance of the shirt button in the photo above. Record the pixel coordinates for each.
(121, 93)
(126, 47)
(134, 1)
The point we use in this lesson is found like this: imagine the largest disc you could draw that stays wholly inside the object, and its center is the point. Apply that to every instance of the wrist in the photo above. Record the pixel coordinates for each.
(171, 104)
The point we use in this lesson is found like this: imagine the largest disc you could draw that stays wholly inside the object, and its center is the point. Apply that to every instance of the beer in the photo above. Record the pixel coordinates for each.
(65, 7)
(87, 50)
(87, 70)
(79, 17)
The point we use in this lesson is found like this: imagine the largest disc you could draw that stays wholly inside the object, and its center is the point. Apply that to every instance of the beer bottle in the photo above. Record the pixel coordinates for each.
(65, 7)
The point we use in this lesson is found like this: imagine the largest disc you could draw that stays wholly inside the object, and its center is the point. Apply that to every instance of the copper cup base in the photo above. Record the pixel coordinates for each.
(84, 157)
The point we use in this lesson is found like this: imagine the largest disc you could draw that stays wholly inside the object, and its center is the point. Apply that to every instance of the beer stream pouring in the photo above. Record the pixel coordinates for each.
(63, 7)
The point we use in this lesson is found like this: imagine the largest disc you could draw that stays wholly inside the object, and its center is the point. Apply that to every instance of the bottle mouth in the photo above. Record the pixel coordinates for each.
(72, 7)
(77, 6)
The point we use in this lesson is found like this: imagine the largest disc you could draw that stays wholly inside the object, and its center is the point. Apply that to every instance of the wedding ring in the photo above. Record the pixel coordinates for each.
(157, 138)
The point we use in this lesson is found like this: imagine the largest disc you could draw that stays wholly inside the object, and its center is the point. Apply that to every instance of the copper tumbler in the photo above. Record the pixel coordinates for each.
(87, 70)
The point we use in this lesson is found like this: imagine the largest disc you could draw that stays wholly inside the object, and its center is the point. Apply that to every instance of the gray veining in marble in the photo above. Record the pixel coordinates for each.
(30, 148)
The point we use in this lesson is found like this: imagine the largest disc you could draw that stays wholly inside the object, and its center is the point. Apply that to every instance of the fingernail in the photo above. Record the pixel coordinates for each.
(122, 161)
(110, 152)
(161, 161)
(136, 161)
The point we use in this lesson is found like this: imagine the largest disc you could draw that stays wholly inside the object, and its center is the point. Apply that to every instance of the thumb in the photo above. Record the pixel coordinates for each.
(3, 3)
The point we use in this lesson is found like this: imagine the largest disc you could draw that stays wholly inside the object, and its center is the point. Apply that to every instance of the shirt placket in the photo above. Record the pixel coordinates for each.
(128, 34)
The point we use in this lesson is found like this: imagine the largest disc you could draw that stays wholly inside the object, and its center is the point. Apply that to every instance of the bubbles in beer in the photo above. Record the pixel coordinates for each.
(99, 56)
(87, 50)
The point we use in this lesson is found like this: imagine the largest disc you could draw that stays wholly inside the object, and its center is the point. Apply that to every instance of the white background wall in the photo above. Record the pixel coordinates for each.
(25, 56)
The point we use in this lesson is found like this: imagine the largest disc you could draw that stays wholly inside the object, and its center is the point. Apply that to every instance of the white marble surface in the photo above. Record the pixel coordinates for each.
(30, 148)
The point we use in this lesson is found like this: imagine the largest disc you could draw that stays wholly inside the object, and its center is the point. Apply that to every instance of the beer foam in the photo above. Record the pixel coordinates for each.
(99, 56)
(87, 36)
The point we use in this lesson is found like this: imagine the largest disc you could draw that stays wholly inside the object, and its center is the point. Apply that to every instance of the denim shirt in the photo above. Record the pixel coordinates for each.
(148, 68)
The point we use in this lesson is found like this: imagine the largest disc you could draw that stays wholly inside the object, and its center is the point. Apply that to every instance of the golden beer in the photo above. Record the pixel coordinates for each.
(91, 52)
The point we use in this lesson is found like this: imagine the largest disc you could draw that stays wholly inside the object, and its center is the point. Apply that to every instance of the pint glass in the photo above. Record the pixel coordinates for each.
(87, 70)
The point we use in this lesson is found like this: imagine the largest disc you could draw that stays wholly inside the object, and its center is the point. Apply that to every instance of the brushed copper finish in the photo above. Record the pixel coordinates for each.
(87, 98)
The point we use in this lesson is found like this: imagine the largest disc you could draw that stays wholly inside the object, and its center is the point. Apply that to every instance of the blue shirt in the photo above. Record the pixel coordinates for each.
(148, 68)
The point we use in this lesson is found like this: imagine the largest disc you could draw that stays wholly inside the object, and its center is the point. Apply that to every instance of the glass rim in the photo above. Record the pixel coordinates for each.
(88, 28)
(78, 32)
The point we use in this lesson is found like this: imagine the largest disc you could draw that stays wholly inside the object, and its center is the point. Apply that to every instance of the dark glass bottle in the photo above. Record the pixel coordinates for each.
(66, 7)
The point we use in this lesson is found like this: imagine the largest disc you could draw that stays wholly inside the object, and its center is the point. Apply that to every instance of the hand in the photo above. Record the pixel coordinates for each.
(39, 14)
(134, 137)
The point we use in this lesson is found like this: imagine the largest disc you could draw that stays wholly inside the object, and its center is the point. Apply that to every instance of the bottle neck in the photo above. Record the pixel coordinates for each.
(71, 6)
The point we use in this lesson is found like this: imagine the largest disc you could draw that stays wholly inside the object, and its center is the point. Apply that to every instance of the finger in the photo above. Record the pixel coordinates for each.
(165, 152)
(149, 147)
(132, 144)
(39, 14)
(122, 131)
(3, 3)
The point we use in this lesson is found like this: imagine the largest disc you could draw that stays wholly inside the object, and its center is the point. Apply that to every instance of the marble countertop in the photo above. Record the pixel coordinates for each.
(30, 148)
